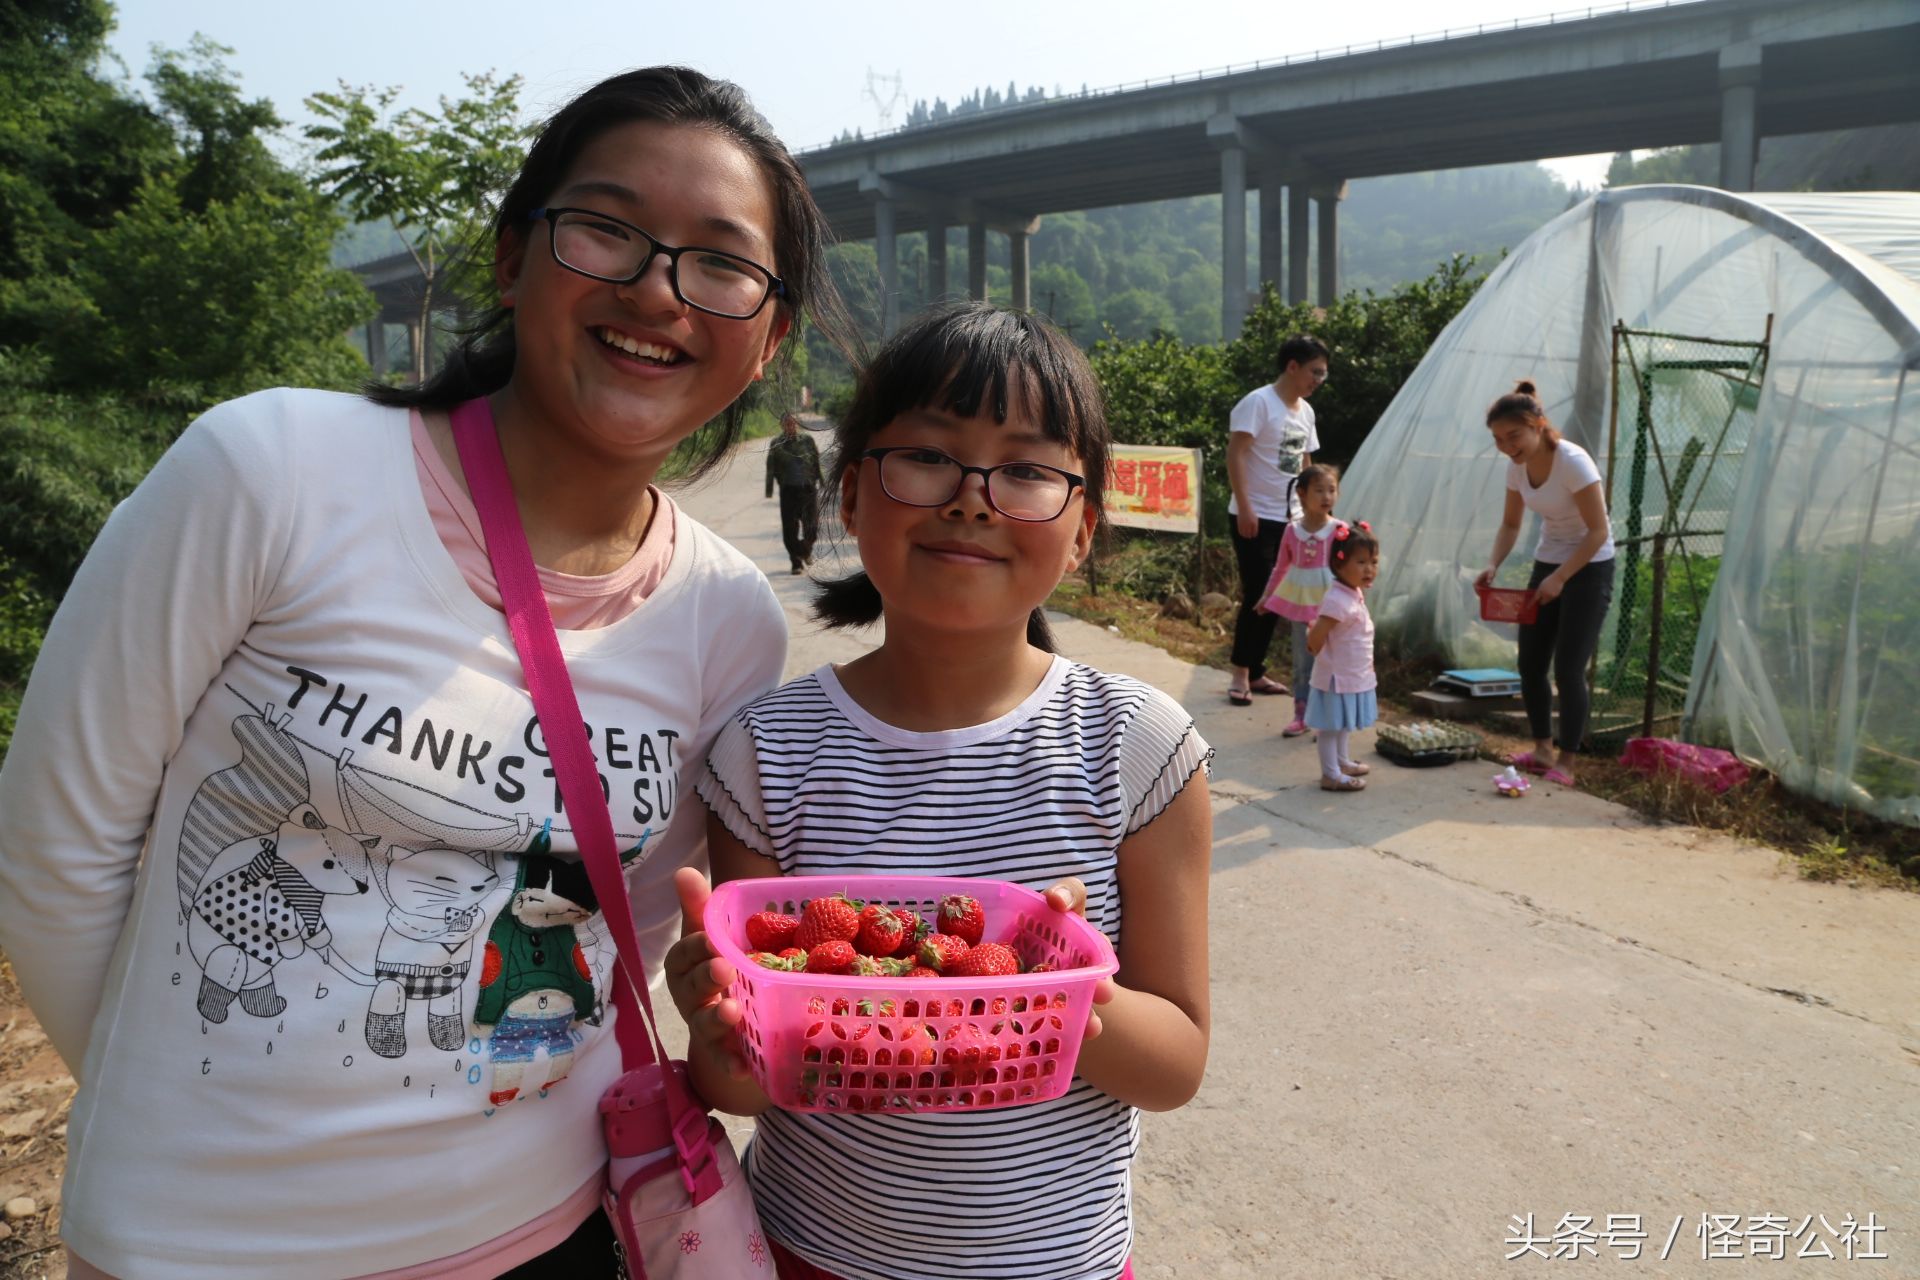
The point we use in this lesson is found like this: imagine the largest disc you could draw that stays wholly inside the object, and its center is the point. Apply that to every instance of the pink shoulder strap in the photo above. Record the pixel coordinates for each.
(558, 710)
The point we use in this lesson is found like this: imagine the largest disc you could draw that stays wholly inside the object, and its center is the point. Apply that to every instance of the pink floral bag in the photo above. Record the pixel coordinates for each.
(678, 1200)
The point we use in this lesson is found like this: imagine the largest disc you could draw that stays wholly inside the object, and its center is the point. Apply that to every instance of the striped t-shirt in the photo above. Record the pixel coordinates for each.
(808, 778)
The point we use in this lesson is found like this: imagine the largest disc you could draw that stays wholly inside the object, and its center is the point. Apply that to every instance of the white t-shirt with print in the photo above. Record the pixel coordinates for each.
(272, 677)
(1282, 437)
(1562, 528)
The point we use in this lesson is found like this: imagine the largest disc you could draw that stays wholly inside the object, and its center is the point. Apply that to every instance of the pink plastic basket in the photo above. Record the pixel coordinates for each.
(1509, 604)
(820, 1042)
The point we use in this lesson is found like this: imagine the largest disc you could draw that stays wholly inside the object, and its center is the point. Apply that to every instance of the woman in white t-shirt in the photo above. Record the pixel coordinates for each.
(1572, 572)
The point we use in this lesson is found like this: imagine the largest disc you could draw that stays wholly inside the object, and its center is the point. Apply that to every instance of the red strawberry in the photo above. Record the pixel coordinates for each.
(794, 953)
(881, 933)
(921, 971)
(880, 967)
(962, 916)
(914, 929)
(940, 950)
(771, 930)
(988, 960)
(834, 956)
(828, 919)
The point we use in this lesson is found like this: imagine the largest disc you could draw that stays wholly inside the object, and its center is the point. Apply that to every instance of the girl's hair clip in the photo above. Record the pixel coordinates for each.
(1340, 532)
(1363, 526)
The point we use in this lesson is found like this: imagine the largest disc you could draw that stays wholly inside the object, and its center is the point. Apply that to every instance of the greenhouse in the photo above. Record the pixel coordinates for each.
(1745, 370)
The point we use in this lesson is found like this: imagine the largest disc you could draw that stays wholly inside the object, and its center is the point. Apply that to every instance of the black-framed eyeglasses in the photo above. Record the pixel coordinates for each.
(602, 247)
(921, 477)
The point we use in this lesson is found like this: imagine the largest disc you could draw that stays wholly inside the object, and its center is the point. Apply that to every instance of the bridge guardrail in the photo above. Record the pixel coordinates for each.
(1287, 60)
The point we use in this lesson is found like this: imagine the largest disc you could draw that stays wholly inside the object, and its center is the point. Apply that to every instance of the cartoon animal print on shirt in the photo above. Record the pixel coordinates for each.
(534, 980)
(425, 952)
(244, 923)
(247, 800)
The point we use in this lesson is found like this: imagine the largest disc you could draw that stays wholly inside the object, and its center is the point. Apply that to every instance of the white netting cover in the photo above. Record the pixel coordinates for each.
(1808, 656)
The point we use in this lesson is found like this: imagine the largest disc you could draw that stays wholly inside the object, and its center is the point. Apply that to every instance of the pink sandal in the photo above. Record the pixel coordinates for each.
(1529, 762)
(1558, 775)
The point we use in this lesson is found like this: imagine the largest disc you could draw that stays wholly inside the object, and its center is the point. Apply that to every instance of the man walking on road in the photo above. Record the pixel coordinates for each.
(793, 462)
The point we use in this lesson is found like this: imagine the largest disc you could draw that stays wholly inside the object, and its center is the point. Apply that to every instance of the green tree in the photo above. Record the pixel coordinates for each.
(434, 177)
(1162, 390)
(73, 151)
(1060, 293)
(1137, 314)
(214, 279)
(215, 303)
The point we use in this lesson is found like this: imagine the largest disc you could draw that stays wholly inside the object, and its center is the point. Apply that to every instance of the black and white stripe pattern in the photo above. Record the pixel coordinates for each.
(807, 777)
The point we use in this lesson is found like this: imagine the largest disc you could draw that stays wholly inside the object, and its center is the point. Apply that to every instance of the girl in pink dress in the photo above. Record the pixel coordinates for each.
(1301, 577)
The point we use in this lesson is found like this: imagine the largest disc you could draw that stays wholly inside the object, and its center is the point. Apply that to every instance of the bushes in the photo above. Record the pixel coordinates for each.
(1162, 391)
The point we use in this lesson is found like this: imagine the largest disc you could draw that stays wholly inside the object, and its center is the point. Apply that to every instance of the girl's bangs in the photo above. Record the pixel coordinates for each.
(977, 368)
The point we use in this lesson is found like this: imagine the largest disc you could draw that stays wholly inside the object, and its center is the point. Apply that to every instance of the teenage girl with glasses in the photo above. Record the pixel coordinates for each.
(970, 470)
(283, 672)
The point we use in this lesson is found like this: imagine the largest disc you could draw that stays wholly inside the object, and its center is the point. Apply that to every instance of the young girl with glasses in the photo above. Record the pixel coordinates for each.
(283, 672)
(970, 471)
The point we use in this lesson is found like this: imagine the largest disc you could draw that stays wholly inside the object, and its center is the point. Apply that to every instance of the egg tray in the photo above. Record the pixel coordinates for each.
(1427, 757)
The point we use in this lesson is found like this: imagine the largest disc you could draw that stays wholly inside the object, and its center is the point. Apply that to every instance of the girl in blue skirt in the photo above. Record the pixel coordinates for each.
(1341, 641)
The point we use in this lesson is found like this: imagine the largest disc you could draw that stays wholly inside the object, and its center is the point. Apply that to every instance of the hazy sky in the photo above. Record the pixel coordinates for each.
(807, 65)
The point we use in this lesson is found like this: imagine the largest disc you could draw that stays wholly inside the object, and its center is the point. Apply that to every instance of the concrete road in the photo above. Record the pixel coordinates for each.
(1437, 1012)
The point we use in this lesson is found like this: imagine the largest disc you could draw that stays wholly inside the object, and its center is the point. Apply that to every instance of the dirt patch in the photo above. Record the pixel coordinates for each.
(35, 1094)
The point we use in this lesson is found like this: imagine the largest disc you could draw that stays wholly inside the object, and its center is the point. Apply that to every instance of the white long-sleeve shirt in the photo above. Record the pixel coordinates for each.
(270, 675)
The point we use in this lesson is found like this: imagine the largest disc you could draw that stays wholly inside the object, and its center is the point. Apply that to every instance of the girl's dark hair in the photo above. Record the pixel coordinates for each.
(1302, 348)
(1522, 405)
(482, 362)
(1350, 539)
(971, 359)
(1316, 471)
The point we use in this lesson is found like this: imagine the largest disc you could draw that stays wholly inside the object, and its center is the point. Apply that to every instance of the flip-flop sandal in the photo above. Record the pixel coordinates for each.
(1528, 762)
(1239, 697)
(1268, 687)
(1336, 784)
(1354, 768)
(1560, 776)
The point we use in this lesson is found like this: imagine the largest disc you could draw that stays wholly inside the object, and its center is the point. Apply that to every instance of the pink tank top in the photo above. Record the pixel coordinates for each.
(578, 604)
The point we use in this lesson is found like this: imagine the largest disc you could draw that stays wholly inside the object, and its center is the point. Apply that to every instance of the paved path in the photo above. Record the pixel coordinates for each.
(1435, 1010)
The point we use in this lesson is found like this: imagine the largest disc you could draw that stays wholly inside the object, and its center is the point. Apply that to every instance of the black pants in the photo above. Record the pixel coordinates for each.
(587, 1254)
(1253, 632)
(1564, 639)
(799, 520)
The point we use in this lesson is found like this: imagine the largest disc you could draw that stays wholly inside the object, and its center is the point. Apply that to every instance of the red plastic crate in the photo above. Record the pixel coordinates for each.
(830, 1042)
(1509, 604)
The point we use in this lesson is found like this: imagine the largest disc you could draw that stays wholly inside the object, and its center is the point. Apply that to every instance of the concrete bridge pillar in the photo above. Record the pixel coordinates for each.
(1739, 115)
(377, 346)
(1017, 246)
(977, 260)
(886, 249)
(1329, 196)
(1296, 242)
(1270, 220)
(1233, 240)
(1233, 142)
(936, 260)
